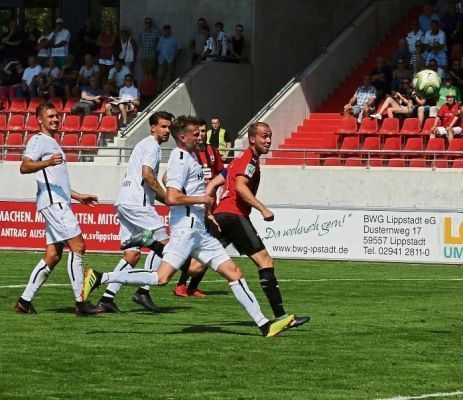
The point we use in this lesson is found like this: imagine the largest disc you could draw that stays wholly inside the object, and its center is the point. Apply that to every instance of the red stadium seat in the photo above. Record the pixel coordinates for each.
(348, 126)
(90, 123)
(102, 109)
(332, 162)
(458, 163)
(414, 144)
(312, 159)
(417, 163)
(369, 126)
(58, 103)
(371, 143)
(411, 126)
(353, 162)
(88, 143)
(69, 104)
(350, 143)
(69, 143)
(440, 163)
(109, 124)
(455, 145)
(392, 144)
(436, 144)
(33, 103)
(4, 105)
(2, 122)
(15, 123)
(32, 125)
(18, 105)
(375, 162)
(390, 126)
(427, 126)
(14, 153)
(396, 163)
(71, 124)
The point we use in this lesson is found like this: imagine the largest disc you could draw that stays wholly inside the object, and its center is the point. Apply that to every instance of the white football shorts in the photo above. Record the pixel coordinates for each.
(197, 243)
(134, 220)
(60, 223)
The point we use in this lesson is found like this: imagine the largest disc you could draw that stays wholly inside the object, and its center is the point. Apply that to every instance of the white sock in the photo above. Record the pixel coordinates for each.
(133, 277)
(247, 299)
(76, 274)
(39, 275)
(113, 288)
(152, 262)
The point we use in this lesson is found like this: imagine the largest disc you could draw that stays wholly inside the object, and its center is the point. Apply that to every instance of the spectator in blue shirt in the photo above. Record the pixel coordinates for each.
(167, 51)
(427, 17)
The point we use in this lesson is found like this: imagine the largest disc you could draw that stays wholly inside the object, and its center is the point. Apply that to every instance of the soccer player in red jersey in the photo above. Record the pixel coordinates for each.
(241, 182)
(212, 164)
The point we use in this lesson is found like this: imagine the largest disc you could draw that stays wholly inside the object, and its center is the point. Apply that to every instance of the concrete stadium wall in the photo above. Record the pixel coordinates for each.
(326, 187)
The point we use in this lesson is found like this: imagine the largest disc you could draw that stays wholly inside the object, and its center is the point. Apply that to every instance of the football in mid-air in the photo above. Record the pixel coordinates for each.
(426, 83)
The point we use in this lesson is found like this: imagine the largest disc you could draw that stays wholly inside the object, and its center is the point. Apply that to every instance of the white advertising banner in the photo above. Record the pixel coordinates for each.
(408, 236)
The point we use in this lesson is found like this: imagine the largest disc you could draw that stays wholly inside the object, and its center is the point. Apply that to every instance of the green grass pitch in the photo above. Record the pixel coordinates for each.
(377, 331)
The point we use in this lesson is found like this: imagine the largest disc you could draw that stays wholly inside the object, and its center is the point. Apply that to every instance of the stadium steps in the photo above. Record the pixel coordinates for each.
(321, 127)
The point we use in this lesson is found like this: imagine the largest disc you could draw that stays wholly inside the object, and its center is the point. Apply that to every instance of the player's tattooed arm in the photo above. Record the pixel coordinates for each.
(84, 198)
(29, 166)
(149, 178)
(247, 196)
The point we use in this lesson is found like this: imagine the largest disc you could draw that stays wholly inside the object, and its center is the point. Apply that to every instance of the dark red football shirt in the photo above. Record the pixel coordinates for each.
(211, 161)
(246, 164)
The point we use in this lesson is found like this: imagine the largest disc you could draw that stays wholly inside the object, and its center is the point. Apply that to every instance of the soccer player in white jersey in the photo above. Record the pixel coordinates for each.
(188, 201)
(45, 158)
(135, 208)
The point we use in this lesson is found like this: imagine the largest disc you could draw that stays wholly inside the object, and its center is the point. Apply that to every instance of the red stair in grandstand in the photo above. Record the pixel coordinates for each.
(322, 127)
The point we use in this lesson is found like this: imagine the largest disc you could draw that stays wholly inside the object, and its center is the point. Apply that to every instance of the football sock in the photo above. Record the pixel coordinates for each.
(39, 275)
(196, 280)
(247, 299)
(76, 273)
(183, 278)
(152, 263)
(269, 285)
(114, 288)
(138, 277)
(157, 247)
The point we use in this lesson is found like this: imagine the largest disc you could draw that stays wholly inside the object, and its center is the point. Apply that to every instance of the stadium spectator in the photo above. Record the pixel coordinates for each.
(88, 70)
(413, 36)
(209, 45)
(116, 77)
(456, 72)
(418, 59)
(448, 115)
(232, 214)
(60, 46)
(128, 102)
(439, 56)
(447, 86)
(167, 51)
(106, 42)
(381, 77)
(129, 48)
(211, 162)
(87, 39)
(451, 24)
(363, 101)
(67, 79)
(187, 197)
(427, 17)
(435, 34)
(400, 103)
(238, 45)
(148, 41)
(12, 43)
(401, 53)
(44, 43)
(54, 196)
(136, 212)
(12, 78)
(426, 108)
(197, 41)
(47, 79)
(31, 36)
(30, 77)
(400, 73)
(221, 42)
(90, 99)
(219, 138)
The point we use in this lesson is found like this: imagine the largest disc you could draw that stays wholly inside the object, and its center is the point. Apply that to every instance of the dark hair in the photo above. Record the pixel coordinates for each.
(219, 24)
(202, 121)
(252, 130)
(166, 27)
(43, 107)
(155, 117)
(180, 124)
(128, 76)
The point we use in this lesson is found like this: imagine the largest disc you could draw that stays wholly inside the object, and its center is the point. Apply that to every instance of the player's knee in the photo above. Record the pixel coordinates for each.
(52, 259)
(132, 257)
(163, 280)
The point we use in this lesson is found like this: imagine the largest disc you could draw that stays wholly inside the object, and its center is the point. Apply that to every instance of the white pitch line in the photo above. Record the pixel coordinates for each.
(298, 280)
(426, 396)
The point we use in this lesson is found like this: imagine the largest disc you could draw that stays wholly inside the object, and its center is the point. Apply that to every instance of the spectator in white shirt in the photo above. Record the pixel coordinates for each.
(435, 34)
(30, 78)
(128, 102)
(415, 34)
(60, 47)
(48, 78)
(221, 41)
(116, 77)
(44, 43)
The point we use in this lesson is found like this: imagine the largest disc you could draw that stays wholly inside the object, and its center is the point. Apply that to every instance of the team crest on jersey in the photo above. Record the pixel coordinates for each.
(250, 169)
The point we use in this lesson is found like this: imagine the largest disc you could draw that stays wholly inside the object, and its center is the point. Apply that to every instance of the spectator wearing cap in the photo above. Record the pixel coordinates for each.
(426, 17)
(60, 46)
(435, 34)
(148, 41)
(129, 48)
(439, 56)
(167, 51)
(413, 36)
(447, 87)
(197, 41)
(448, 115)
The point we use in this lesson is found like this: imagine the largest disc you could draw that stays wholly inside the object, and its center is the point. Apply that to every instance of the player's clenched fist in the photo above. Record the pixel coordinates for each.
(267, 214)
(55, 159)
(208, 201)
